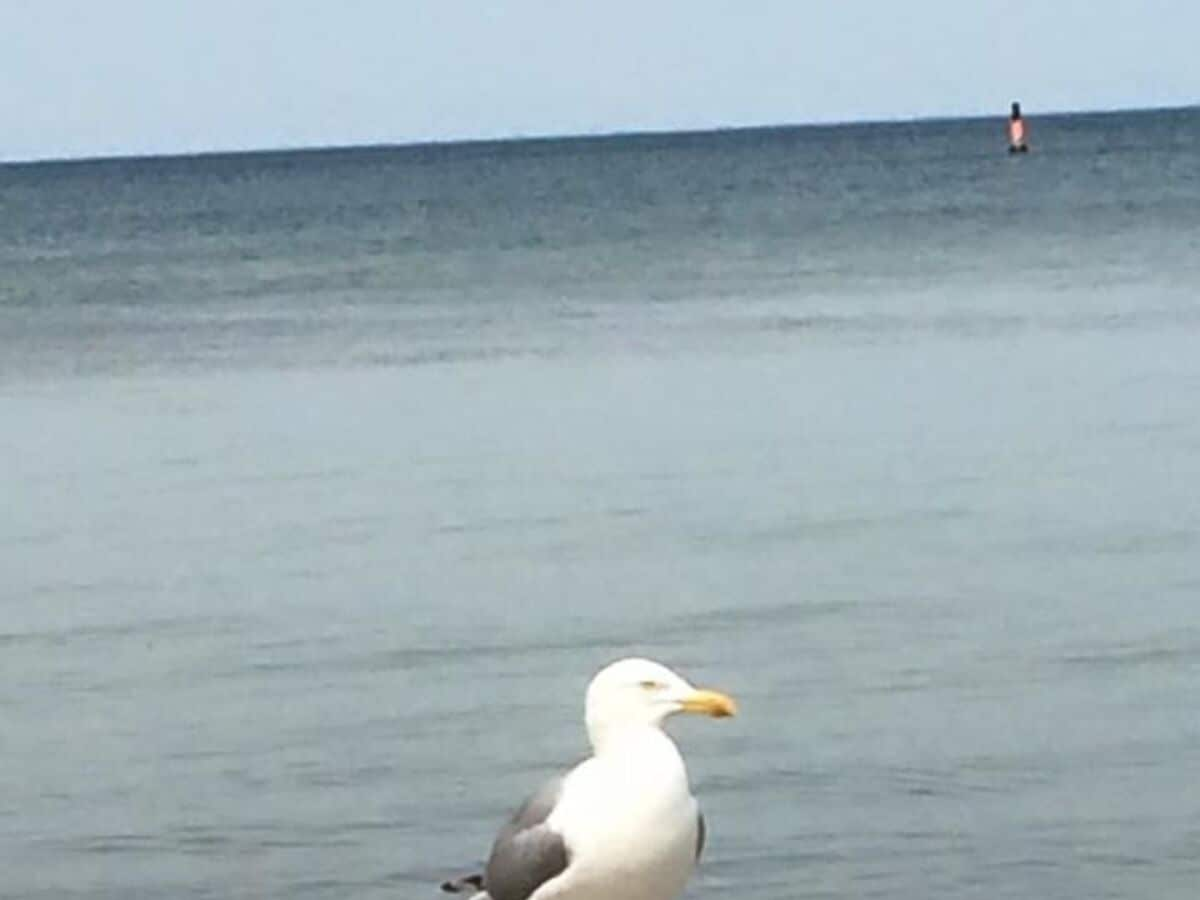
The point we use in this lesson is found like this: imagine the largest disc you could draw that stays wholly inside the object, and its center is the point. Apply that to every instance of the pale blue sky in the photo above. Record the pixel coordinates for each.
(101, 77)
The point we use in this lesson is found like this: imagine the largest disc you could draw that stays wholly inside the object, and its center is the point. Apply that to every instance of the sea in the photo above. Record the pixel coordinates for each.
(330, 477)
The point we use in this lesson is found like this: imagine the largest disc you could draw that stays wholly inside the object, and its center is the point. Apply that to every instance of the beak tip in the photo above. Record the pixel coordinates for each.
(712, 703)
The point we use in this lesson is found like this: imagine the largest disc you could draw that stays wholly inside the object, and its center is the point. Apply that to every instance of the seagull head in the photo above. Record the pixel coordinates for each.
(643, 693)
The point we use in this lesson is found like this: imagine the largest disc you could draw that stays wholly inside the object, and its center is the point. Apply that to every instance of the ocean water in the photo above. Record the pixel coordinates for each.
(330, 478)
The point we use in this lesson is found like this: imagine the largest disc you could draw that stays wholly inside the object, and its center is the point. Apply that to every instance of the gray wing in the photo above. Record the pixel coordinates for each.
(700, 834)
(527, 852)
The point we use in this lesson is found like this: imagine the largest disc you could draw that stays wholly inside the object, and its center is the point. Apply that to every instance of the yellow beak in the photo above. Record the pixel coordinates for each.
(710, 703)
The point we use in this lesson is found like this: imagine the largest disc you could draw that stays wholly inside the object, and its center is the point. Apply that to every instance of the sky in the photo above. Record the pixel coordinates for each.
(118, 77)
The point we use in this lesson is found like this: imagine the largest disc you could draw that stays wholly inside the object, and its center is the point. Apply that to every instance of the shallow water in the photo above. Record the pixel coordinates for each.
(314, 542)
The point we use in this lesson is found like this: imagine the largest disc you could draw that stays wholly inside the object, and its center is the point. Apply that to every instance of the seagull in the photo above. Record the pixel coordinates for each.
(621, 825)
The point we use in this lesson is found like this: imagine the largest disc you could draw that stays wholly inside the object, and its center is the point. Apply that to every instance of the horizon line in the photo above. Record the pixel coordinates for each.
(535, 137)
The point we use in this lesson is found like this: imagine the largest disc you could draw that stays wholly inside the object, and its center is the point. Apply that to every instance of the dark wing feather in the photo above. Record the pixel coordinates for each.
(701, 832)
(467, 884)
(527, 852)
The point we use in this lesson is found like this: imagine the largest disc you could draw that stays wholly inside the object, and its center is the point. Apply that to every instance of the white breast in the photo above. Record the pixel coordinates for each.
(629, 822)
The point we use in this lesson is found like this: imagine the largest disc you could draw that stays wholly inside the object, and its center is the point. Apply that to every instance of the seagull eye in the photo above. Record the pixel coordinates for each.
(651, 685)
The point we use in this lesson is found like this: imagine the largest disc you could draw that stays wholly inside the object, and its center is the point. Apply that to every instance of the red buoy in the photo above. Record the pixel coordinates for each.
(1016, 131)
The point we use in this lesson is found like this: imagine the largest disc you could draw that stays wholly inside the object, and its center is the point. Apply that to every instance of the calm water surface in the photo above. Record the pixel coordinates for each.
(330, 479)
